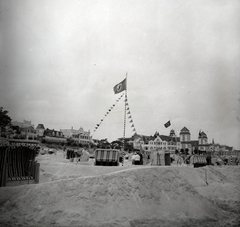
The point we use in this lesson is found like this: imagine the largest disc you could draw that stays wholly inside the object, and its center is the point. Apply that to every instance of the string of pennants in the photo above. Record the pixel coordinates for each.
(111, 108)
(129, 115)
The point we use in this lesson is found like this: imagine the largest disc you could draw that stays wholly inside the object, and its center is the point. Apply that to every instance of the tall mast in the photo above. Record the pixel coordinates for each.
(125, 108)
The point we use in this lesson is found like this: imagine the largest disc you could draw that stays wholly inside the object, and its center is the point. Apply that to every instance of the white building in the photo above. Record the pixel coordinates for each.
(185, 139)
(40, 130)
(160, 142)
(79, 136)
(24, 124)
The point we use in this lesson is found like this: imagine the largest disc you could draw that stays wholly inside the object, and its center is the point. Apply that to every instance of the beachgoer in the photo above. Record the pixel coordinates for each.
(80, 153)
(133, 158)
(137, 159)
(64, 151)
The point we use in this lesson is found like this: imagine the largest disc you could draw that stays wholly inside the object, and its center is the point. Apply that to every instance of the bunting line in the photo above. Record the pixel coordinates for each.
(130, 116)
(109, 110)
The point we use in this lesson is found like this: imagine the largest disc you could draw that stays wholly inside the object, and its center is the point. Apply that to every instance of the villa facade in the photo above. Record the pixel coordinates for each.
(26, 128)
(80, 136)
(157, 142)
(172, 143)
(54, 135)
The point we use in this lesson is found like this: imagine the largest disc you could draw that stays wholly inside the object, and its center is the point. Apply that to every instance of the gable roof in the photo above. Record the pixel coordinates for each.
(184, 130)
(169, 138)
(40, 126)
(146, 139)
(202, 135)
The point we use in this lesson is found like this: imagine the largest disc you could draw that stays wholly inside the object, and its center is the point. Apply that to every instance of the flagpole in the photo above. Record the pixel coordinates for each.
(125, 107)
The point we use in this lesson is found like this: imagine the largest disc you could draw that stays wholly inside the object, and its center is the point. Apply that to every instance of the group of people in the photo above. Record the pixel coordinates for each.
(72, 154)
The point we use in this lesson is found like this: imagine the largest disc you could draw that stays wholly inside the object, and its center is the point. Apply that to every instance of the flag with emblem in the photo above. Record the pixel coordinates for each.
(122, 86)
(167, 124)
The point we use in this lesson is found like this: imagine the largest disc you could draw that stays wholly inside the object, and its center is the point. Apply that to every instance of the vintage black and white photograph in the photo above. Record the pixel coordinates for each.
(120, 113)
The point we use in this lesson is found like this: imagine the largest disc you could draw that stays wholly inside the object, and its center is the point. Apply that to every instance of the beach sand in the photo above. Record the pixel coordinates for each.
(81, 194)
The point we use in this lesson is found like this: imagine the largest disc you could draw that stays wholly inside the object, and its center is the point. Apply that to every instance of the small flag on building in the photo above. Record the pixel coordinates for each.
(167, 124)
(120, 87)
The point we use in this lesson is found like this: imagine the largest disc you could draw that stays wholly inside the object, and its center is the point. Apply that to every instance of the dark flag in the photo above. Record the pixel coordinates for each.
(167, 124)
(122, 86)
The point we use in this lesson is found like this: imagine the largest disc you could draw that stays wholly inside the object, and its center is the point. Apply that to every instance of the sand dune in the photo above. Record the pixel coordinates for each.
(86, 195)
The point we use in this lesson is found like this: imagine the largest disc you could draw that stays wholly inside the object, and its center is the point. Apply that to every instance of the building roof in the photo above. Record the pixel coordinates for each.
(202, 134)
(169, 138)
(40, 126)
(23, 124)
(51, 130)
(184, 130)
(146, 139)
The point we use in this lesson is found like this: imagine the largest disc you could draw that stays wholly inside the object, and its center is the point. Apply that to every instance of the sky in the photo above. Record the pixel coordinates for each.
(60, 59)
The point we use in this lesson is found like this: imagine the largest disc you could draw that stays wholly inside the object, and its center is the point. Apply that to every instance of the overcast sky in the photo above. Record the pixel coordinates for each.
(59, 62)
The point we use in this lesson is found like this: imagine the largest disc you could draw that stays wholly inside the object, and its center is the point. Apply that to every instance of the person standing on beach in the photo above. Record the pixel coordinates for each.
(133, 158)
(64, 151)
(80, 153)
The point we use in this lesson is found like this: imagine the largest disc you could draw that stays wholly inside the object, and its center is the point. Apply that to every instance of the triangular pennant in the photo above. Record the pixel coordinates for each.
(130, 116)
(128, 112)
(128, 108)
(130, 121)
(132, 125)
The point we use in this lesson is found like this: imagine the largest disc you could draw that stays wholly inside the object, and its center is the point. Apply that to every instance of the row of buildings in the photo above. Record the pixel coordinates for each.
(170, 142)
(28, 131)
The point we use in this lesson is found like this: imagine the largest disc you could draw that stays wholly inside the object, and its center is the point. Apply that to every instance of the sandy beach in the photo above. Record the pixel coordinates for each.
(81, 194)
